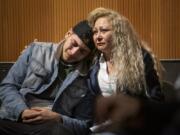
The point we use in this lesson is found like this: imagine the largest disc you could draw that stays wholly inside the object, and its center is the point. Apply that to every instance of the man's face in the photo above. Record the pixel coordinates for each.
(74, 49)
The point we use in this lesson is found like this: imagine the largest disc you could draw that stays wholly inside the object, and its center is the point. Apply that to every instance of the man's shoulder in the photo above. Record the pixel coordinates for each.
(43, 49)
(44, 44)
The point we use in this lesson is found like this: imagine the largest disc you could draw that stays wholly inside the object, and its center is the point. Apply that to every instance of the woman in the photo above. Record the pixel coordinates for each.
(125, 64)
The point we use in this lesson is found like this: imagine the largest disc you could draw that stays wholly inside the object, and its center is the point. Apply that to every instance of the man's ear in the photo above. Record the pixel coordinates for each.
(68, 33)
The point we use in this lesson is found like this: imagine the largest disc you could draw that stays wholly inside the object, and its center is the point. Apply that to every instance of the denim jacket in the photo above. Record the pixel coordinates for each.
(34, 72)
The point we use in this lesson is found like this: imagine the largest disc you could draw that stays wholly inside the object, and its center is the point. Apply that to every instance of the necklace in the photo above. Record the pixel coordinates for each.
(67, 64)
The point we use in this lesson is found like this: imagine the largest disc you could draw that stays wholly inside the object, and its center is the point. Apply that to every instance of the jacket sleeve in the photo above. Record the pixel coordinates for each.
(152, 79)
(12, 101)
(83, 114)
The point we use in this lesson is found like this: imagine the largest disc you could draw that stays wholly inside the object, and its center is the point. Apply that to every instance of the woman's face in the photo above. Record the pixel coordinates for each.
(103, 35)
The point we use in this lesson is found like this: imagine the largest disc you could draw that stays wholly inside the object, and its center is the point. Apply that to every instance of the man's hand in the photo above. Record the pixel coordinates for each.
(39, 115)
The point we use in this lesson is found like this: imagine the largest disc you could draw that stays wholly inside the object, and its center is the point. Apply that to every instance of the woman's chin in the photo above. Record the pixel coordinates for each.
(102, 48)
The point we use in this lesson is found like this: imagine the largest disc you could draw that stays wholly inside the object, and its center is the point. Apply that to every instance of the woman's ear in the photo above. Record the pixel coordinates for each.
(68, 33)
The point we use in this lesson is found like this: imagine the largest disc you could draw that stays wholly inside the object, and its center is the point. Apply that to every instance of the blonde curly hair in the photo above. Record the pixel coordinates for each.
(126, 54)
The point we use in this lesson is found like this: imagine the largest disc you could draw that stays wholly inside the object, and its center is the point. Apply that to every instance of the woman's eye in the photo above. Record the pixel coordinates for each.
(105, 30)
(95, 31)
(101, 31)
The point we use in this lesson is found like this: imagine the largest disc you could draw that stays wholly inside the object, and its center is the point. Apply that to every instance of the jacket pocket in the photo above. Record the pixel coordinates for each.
(36, 76)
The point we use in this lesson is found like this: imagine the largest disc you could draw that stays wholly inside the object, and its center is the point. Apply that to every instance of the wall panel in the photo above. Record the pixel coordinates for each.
(22, 21)
(1, 28)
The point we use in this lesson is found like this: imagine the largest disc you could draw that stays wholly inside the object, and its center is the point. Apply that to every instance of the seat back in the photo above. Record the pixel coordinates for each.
(170, 93)
(4, 68)
(172, 69)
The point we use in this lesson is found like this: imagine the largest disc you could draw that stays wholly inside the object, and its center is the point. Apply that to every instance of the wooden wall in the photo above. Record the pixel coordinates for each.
(22, 21)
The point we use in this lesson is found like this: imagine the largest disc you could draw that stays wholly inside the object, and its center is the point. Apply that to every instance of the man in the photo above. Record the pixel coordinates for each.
(45, 91)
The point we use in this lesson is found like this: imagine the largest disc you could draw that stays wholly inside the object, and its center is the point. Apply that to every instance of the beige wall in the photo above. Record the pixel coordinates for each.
(21, 21)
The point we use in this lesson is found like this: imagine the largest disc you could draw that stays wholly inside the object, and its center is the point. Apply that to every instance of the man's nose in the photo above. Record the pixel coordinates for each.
(75, 50)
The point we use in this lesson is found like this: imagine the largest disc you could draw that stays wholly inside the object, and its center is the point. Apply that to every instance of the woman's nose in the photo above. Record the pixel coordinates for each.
(98, 36)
